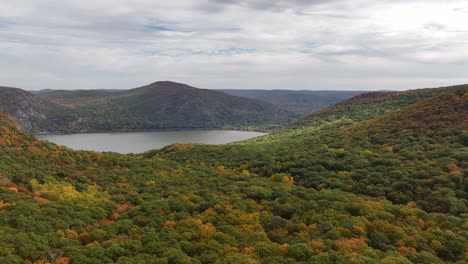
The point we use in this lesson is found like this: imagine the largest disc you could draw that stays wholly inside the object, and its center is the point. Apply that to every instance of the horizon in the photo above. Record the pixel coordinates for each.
(240, 89)
(222, 44)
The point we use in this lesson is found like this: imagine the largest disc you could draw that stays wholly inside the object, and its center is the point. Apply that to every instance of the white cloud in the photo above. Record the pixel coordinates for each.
(233, 44)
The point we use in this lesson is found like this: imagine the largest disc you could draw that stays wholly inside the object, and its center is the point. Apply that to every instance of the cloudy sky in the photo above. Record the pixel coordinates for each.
(262, 44)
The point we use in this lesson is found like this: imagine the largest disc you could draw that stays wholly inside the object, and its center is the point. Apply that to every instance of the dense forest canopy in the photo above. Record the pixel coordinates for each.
(379, 178)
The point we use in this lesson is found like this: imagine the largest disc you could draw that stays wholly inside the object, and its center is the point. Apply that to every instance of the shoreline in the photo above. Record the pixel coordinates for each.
(149, 131)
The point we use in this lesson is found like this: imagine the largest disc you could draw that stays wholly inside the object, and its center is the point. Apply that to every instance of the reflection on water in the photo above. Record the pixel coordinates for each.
(137, 142)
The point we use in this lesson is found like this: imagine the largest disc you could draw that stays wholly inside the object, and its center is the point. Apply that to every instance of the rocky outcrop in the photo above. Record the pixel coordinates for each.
(24, 107)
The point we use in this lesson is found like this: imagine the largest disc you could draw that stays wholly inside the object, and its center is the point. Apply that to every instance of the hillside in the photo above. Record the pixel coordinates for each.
(372, 104)
(30, 111)
(387, 186)
(300, 102)
(372, 144)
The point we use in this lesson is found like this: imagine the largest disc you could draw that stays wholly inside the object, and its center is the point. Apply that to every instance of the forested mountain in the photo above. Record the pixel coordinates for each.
(161, 105)
(301, 102)
(173, 105)
(380, 178)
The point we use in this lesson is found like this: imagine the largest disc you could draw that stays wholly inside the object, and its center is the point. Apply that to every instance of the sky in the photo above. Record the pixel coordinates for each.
(234, 44)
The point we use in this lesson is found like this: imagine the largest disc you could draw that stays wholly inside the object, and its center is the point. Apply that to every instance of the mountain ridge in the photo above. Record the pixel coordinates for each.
(160, 105)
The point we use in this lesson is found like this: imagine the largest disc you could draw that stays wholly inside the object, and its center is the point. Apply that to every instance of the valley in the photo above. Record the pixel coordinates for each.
(378, 178)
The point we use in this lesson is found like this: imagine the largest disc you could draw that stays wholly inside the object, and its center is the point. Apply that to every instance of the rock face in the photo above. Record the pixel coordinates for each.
(24, 107)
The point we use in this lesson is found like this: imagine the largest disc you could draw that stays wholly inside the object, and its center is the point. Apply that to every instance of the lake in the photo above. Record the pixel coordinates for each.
(137, 142)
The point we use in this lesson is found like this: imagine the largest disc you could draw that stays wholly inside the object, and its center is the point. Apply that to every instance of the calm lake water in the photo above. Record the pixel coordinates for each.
(137, 142)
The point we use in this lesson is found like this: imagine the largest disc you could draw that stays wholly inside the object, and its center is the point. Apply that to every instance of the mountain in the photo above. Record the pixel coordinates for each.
(345, 185)
(161, 105)
(300, 102)
(174, 105)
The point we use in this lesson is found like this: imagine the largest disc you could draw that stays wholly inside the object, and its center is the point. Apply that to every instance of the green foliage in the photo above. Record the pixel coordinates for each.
(380, 188)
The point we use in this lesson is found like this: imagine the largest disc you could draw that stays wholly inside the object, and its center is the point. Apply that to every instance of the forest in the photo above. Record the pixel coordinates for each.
(378, 178)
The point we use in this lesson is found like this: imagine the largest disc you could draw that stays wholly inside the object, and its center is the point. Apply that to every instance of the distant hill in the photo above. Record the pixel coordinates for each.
(161, 105)
(41, 91)
(300, 102)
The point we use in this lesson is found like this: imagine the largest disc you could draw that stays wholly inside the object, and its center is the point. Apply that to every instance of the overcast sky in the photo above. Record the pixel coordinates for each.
(257, 44)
